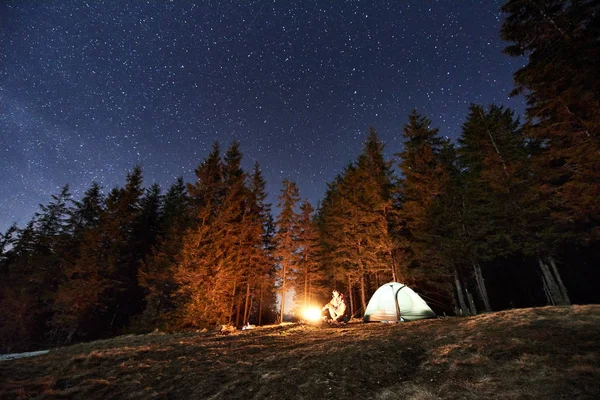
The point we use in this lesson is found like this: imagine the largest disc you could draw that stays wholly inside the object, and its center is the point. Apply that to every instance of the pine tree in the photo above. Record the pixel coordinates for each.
(260, 286)
(18, 298)
(208, 189)
(156, 271)
(286, 244)
(175, 207)
(309, 285)
(201, 272)
(562, 87)
(447, 237)
(84, 216)
(217, 268)
(234, 216)
(426, 180)
(33, 269)
(50, 221)
(145, 235)
(382, 191)
(493, 159)
(86, 212)
(357, 220)
(100, 293)
(125, 256)
(332, 223)
(7, 241)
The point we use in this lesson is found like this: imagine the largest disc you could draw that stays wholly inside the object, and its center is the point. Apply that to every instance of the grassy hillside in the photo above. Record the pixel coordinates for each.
(517, 354)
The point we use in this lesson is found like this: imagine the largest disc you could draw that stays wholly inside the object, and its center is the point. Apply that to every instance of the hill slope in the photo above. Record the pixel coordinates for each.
(528, 353)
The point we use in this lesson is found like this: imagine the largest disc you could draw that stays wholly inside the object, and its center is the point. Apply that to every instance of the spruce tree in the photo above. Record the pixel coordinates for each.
(562, 86)
(156, 271)
(425, 182)
(86, 212)
(208, 189)
(309, 284)
(493, 160)
(100, 293)
(201, 273)
(84, 216)
(219, 262)
(32, 272)
(260, 247)
(286, 244)
(356, 221)
(7, 241)
(18, 297)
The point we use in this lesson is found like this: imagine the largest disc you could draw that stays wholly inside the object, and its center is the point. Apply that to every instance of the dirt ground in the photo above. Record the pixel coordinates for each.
(542, 353)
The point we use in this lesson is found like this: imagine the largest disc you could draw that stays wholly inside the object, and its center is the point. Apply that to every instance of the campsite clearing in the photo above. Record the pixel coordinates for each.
(527, 354)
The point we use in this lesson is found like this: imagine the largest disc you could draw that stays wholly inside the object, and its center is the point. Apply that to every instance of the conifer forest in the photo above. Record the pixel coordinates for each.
(507, 216)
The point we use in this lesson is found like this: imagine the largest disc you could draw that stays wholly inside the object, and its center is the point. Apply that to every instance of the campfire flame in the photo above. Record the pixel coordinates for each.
(311, 314)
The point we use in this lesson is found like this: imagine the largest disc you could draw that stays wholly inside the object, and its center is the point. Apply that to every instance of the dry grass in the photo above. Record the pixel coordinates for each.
(517, 354)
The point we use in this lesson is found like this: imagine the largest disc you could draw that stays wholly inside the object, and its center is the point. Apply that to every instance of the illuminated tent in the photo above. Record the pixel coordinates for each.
(395, 302)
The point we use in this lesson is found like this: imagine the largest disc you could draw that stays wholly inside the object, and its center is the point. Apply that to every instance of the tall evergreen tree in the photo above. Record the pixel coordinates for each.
(562, 87)
(7, 241)
(156, 272)
(126, 255)
(356, 222)
(309, 283)
(240, 227)
(145, 236)
(86, 212)
(34, 267)
(260, 260)
(100, 293)
(286, 245)
(208, 188)
(202, 295)
(425, 182)
(84, 216)
(223, 253)
(18, 297)
(493, 159)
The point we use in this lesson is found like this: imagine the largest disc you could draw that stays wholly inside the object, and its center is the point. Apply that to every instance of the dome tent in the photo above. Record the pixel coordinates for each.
(395, 302)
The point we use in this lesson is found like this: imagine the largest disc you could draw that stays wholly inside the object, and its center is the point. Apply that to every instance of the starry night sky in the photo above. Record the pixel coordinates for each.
(90, 89)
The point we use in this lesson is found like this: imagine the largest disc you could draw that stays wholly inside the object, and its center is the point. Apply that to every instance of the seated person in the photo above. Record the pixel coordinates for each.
(336, 307)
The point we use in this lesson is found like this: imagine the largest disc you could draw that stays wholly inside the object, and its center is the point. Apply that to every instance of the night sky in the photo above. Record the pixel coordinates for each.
(90, 89)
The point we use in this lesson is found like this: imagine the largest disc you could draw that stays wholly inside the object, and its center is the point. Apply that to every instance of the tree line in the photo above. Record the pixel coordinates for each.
(507, 216)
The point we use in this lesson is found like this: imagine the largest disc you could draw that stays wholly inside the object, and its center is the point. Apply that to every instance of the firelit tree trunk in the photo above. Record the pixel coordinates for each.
(350, 295)
(393, 267)
(247, 303)
(306, 286)
(561, 286)
(238, 310)
(363, 296)
(260, 304)
(552, 288)
(231, 307)
(549, 298)
(463, 309)
(283, 282)
(250, 308)
(472, 307)
(481, 287)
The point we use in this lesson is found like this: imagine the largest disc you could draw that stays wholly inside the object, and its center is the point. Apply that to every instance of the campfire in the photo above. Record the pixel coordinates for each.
(311, 314)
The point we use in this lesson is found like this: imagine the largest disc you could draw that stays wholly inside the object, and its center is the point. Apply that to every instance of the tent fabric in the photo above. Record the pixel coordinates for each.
(395, 302)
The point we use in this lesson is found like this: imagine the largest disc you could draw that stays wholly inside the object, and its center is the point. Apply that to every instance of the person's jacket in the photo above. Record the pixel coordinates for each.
(338, 305)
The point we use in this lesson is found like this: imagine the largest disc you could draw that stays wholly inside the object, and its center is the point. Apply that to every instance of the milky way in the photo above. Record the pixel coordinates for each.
(88, 90)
